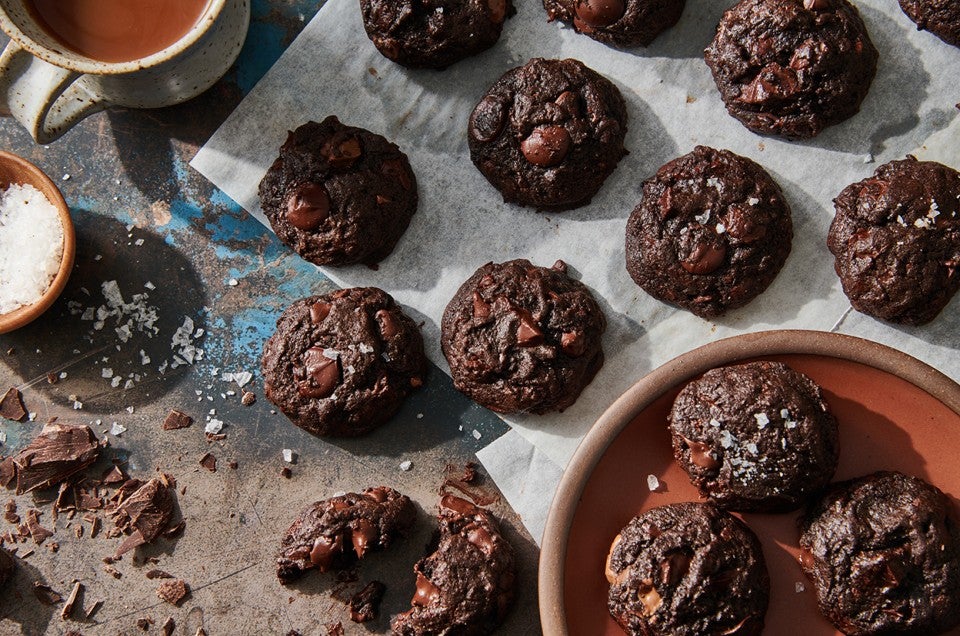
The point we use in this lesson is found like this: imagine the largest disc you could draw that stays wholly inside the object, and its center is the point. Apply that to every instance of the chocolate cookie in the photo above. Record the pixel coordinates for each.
(710, 234)
(755, 437)
(896, 239)
(626, 23)
(433, 33)
(792, 67)
(522, 338)
(338, 194)
(883, 552)
(548, 133)
(687, 569)
(335, 532)
(342, 363)
(467, 585)
(940, 17)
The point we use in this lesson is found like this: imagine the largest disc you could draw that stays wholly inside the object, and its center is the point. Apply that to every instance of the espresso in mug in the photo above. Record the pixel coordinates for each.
(117, 30)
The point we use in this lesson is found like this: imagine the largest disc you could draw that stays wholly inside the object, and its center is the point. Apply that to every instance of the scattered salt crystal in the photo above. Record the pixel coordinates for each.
(385, 356)
(652, 483)
(785, 414)
(138, 242)
(703, 217)
(213, 411)
(713, 182)
(3, 437)
(287, 455)
(405, 466)
(149, 285)
(762, 420)
(66, 177)
(721, 228)
(106, 372)
(117, 429)
(727, 439)
(129, 384)
(419, 416)
(751, 448)
(350, 369)
(233, 282)
(130, 410)
(799, 587)
(115, 382)
(77, 405)
(213, 426)
(32, 416)
(753, 201)
(31, 246)
(790, 424)
(715, 423)
(476, 434)
(332, 354)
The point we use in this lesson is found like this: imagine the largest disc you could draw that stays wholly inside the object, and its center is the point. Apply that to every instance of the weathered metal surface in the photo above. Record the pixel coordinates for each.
(147, 221)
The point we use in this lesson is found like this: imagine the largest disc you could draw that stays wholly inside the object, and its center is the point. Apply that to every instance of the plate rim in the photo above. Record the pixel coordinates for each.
(679, 369)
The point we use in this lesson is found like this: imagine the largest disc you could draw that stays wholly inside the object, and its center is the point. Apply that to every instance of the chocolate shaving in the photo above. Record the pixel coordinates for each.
(11, 406)
(144, 623)
(143, 515)
(173, 591)
(71, 601)
(45, 594)
(176, 420)
(37, 532)
(365, 604)
(209, 461)
(93, 609)
(112, 571)
(158, 574)
(168, 626)
(57, 453)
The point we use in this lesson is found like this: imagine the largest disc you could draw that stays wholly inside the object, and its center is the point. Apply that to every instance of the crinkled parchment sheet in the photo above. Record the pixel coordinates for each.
(462, 223)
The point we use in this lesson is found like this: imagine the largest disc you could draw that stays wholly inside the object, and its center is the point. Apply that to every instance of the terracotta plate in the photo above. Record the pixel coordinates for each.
(894, 413)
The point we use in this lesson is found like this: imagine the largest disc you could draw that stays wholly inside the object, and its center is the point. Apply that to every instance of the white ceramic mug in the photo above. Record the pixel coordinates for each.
(48, 88)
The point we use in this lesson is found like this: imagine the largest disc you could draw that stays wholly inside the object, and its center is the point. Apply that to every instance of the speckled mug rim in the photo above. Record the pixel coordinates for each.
(603, 433)
(77, 62)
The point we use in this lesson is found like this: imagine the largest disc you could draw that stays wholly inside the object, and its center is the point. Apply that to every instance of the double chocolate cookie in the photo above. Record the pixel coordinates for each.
(433, 33)
(467, 585)
(687, 569)
(338, 194)
(548, 133)
(710, 234)
(626, 23)
(755, 437)
(883, 552)
(335, 532)
(342, 363)
(896, 239)
(792, 67)
(522, 338)
(940, 17)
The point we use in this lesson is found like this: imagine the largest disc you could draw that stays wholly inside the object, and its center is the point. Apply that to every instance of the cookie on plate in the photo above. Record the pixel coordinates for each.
(338, 194)
(522, 338)
(755, 437)
(468, 583)
(433, 33)
(626, 23)
(548, 133)
(710, 234)
(687, 569)
(335, 532)
(883, 553)
(792, 67)
(940, 17)
(342, 363)
(896, 239)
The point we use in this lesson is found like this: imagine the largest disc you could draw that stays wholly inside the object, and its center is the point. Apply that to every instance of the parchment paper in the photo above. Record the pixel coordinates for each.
(462, 223)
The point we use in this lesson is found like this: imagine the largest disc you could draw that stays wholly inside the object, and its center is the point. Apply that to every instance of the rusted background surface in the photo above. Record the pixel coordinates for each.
(177, 246)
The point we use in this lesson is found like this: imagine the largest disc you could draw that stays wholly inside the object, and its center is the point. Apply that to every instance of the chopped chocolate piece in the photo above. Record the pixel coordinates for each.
(10, 512)
(144, 515)
(168, 626)
(71, 601)
(11, 406)
(53, 546)
(58, 452)
(209, 461)
(335, 629)
(365, 604)
(158, 574)
(285, 472)
(173, 591)
(93, 609)
(7, 471)
(7, 566)
(51, 378)
(115, 476)
(176, 419)
(144, 623)
(45, 594)
(233, 465)
(37, 532)
(248, 398)
(112, 571)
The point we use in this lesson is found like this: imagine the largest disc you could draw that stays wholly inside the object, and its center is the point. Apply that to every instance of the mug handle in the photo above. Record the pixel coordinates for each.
(47, 100)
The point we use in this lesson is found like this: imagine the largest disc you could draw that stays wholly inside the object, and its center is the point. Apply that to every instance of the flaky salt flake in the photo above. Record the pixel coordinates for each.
(476, 434)
(419, 416)
(77, 405)
(790, 424)
(287, 455)
(130, 410)
(721, 228)
(332, 354)
(702, 218)
(753, 201)
(106, 372)
(213, 427)
(149, 285)
(762, 420)
(713, 182)
(406, 465)
(715, 423)
(751, 448)
(653, 483)
(233, 282)
(727, 439)
(117, 429)
(799, 587)
(785, 414)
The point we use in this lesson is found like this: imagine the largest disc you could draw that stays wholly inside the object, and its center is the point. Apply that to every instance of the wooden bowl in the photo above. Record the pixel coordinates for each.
(894, 411)
(17, 170)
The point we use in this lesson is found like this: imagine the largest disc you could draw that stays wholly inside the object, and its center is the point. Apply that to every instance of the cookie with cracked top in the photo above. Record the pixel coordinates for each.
(548, 133)
(755, 437)
(940, 17)
(468, 583)
(522, 338)
(792, 67)
(342, 363)
(623, 23)
(896, 241)
(335, 532)
(710, 234)
(433, 33)
(338, 194)
(883, 553)
(687, 569)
